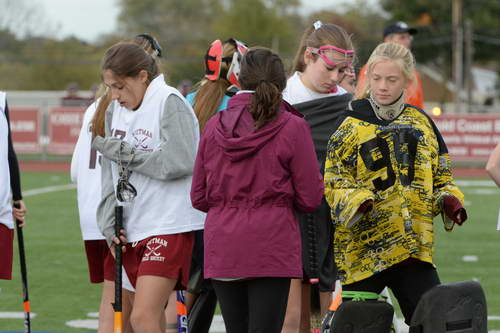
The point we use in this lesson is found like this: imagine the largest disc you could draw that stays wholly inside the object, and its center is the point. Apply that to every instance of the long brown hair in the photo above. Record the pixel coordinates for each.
(210, 93)
(326, 34)
(124, 59)
(262, 70)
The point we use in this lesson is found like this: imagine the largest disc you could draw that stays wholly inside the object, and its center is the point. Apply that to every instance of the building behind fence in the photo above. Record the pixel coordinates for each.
(43, 127)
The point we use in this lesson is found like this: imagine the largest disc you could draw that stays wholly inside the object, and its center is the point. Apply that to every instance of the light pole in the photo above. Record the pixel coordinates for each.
(458, 39)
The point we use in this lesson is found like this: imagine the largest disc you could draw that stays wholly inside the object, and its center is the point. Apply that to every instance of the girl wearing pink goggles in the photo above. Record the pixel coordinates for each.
(324, 57)
(333, 56)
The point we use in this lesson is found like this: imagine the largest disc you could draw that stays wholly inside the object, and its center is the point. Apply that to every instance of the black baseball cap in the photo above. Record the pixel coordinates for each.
(397, 28)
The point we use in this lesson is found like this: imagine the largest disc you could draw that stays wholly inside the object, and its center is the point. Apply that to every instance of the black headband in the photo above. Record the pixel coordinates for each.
(154, 43)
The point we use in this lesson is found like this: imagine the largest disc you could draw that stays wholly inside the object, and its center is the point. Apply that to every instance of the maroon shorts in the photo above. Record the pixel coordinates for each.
(97, 252)
(109, 267)
(6, 251)
(168, 256)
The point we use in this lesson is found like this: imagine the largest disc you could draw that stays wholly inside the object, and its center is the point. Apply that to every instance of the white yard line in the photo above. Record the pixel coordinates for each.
(218, 324)
(56, 188)
(83, 323)
(48, 189)
(481, 191)
(477, 183)
(15, 315)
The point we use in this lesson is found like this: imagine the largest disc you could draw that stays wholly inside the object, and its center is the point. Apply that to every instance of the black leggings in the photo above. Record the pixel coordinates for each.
(254, 305)
(408, 280)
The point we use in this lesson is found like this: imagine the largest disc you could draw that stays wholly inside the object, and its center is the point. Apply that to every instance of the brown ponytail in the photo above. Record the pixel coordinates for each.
(208, 99)
(100, 114)
(265, 103)
(262, 70)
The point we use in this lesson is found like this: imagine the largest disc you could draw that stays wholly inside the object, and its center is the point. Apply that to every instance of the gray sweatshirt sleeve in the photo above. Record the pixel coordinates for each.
(105, 210)
(177, 151)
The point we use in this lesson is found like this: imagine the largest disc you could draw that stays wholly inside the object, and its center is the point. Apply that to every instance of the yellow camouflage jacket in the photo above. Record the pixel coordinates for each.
(403, 166)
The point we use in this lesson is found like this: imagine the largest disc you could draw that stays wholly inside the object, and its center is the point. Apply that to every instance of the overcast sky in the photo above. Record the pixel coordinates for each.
(87, 19)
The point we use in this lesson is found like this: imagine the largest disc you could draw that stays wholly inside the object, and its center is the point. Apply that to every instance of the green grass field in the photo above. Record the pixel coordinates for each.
(58, 279)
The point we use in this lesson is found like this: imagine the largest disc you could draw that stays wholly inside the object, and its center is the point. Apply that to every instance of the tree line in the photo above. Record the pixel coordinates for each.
(186, 28)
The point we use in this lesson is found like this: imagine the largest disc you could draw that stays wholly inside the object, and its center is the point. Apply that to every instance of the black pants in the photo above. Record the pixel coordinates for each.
(317, 251)
(253, 306)
(408, 280)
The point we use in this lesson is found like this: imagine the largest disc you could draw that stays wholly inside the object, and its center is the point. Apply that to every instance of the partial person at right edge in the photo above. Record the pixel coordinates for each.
(493, 169)
(493, 165)
(252, 238)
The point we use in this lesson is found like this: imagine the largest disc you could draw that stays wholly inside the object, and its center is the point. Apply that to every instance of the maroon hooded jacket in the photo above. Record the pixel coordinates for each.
(251, 182)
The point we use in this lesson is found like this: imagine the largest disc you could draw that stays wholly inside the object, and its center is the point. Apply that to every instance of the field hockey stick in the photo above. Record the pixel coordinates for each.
(388, 299)
(315, 322)
(125, 192)
(117, 305)
(313, 251)
(326, 323)
(182, 322)
(24, 274)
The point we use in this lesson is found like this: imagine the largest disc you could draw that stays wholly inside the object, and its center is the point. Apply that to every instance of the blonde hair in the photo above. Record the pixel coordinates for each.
(326, 34)
(209, 95)
(395, 52)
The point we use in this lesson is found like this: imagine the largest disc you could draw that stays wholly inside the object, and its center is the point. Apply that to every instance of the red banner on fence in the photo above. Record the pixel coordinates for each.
(25, 129)
(469, 137)
(64, 127)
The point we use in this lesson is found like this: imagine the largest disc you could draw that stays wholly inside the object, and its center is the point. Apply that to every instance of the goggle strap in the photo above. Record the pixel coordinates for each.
(338, 49)
(321, 53)
(153, 42)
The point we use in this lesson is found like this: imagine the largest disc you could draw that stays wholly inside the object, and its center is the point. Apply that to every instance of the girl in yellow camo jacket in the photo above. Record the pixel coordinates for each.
(387, 175)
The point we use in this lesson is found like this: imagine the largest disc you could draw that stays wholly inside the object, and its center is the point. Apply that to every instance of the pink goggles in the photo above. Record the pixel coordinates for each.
(325, 53)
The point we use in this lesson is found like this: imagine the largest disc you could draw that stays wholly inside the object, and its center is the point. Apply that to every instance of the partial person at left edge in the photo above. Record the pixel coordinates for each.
(10, 192)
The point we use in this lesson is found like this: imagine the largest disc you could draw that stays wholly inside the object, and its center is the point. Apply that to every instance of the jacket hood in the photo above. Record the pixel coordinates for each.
(235, 129)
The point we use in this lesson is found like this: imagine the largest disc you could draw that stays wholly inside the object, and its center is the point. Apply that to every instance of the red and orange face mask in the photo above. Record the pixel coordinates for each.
(214, 59)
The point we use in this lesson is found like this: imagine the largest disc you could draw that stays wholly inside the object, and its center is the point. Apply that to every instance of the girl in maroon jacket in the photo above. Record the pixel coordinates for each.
(255, 167)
